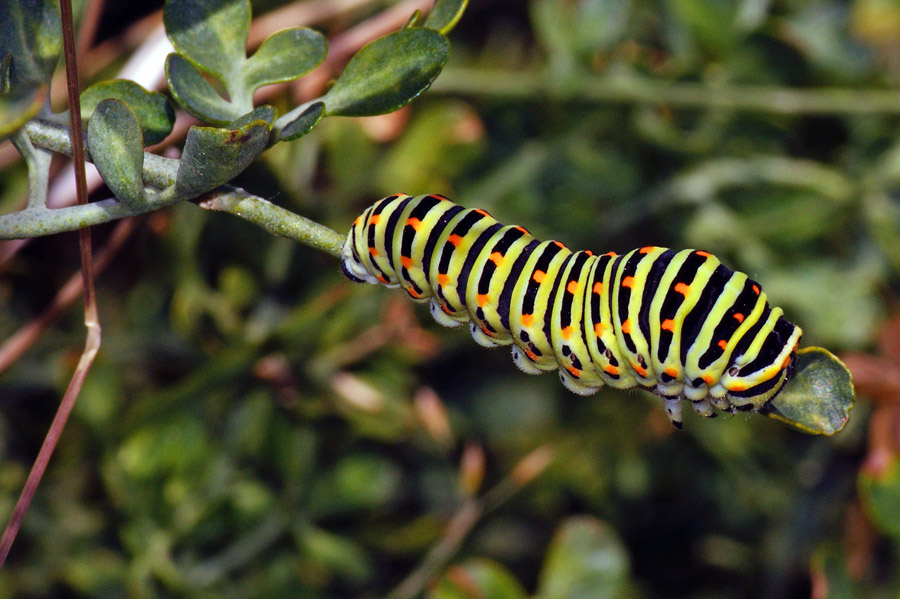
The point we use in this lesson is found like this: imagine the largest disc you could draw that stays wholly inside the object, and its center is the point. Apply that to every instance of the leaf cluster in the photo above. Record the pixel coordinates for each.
(210, 39)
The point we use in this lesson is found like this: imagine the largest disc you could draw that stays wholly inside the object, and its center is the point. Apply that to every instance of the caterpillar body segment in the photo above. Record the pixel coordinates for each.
(678, 323)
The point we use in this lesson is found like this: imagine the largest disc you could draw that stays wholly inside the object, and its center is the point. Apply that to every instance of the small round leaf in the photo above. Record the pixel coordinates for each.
(819, 397)
(585, 559)
(445, 14)
(478, 577)
(195, 94)
(387, 73)
(880, 492)
(304, 123)
(116, 146)
(285, 55)
(214, 156)
(30, 31)
(18, 107)
(211, 33)
(155, 111)
(263, 113)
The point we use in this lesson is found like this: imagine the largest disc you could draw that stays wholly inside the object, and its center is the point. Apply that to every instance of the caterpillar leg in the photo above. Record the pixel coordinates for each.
(721, 403)
(440, 316)
(484, 339)
(704, 408)
(575, 385)
(673, 410)
(524, 363)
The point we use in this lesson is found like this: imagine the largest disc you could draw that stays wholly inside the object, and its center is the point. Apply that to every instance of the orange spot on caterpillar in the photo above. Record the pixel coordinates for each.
(373, 251)
(628, 282)
(566, 332)
(682, 289)
(414, 222)
(485, 330)
(610, 254)
(671, 372)
(708, 379)
(538, 276)
(703, 254)
(356, 222)
(454, 240)
(482, 299)
(406, 261)
(527, 320)
(531, 355)
(382, 279)
(589, 252)
(375, 219)
(572, 287)
(522, 230)
(786, 361)
(626, 326)
(598, 288)
(639, 369)
(599, 328)
(443, 279)
(481, 212)
(722, 343)
(413, 293)
(737, 387)
(668, 325)
(611, 370)
(756, 289)
(573, 371)
(647, 249)
(739, 317)
(446, 310)
(496, 258)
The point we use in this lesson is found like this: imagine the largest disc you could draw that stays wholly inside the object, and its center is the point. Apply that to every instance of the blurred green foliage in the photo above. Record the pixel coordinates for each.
(250, 430)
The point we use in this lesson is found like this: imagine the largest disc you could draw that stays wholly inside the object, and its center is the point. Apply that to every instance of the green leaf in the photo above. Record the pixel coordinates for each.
(32, 34)
(263, 113)
(586, 559)
(387, 73)
(5, 67)
(116, 146)
(413, 20)
(214, 156)
(357, 482)
(819, 397)
(304, 123)
(195, 94)
(210, 33)
(16, 108)
(153, 109)
(482, 578)
(337, 554)
(880, 492)
(285, 55)
(445, 14)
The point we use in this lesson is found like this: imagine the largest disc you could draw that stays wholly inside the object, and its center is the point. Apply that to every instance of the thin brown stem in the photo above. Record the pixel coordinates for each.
(92, 343)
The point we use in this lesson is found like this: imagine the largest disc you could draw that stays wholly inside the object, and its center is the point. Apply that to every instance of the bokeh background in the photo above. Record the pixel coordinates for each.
(257, 426)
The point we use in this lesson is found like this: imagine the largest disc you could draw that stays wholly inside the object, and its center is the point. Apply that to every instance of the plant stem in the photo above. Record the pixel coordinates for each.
(273, 219)
(91, 320)
(634, 89)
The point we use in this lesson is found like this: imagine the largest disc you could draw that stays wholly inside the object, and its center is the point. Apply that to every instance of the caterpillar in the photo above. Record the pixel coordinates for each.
(677, 323)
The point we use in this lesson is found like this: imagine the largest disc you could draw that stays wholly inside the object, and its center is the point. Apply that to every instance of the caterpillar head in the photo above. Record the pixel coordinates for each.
(754, 378)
